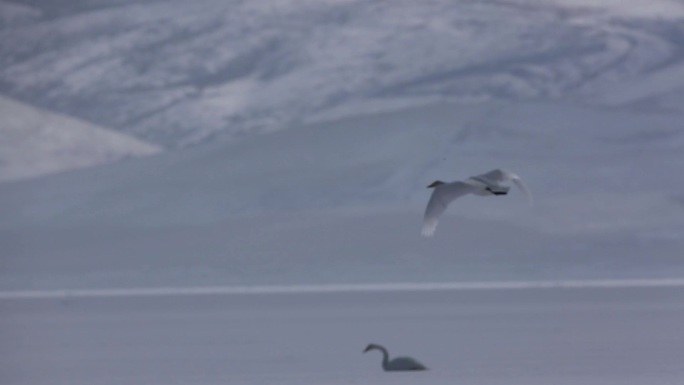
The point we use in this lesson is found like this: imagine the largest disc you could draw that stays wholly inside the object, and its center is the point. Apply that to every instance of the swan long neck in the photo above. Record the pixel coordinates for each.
(385, 355)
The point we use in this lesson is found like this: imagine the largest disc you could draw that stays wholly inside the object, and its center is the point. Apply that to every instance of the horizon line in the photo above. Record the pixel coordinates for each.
(339, 288)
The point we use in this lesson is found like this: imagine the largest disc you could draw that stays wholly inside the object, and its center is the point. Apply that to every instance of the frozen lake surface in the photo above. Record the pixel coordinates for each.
(619, 335)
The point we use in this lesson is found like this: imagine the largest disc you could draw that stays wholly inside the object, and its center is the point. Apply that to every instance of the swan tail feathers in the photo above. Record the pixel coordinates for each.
(429, 227)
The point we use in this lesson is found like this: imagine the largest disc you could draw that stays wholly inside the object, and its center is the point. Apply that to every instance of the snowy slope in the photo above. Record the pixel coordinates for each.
(12, 14)
(381, 160)
(343, 201)
(579, 99)
(176, 72)
(35, 142)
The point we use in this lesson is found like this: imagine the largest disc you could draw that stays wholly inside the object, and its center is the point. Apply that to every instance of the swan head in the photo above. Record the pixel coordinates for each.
(436, 184)
(370, 347)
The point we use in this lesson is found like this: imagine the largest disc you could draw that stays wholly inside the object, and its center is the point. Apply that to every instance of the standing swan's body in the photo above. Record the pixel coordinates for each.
(396, 364)
(484, 185)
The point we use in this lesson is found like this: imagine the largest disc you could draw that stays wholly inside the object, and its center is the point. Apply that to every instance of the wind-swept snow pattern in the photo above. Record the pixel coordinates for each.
(35, 142)
(175, 72)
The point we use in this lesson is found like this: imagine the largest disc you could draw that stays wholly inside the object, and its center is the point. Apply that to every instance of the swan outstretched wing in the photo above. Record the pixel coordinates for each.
(521, 185)
(440, 199)
(497, 176)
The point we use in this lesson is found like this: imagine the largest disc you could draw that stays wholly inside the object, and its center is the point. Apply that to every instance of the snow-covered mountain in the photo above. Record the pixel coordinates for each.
(175, 72)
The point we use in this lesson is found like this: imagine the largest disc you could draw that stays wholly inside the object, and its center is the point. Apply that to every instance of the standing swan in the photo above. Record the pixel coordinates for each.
(396, 364)
(483, 185)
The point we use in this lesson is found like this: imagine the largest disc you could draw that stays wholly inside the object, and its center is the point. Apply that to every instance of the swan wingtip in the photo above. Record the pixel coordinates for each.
(428, 232)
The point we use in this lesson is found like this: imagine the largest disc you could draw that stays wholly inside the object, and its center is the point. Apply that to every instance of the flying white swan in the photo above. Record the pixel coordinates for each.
(396, 364)
(483, 185)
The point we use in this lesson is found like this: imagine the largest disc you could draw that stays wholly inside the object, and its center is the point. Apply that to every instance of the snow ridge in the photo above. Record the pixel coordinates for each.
(177, 73)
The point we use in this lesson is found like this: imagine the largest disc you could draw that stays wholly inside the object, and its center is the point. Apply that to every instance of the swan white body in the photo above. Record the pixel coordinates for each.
(484, 185)
(395, 364)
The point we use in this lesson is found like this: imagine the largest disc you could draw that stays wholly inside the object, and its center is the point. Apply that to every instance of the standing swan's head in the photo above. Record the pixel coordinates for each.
(436, 184)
